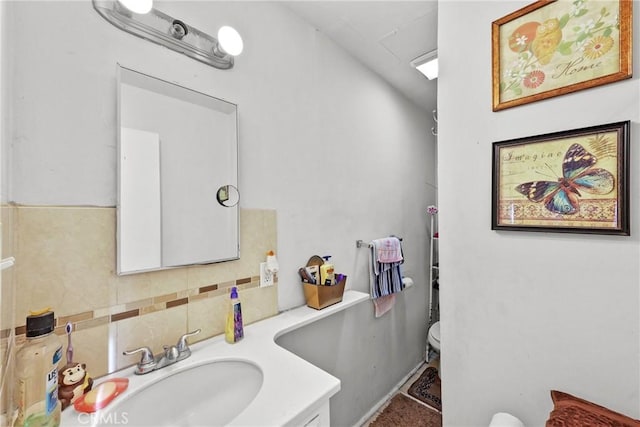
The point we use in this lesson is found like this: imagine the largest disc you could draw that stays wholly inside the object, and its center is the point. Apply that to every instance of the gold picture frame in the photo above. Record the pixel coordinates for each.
(574, 181)
(550, 48)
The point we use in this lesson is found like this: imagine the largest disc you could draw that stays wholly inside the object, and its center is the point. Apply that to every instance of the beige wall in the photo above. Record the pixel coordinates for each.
(7, 309)
(113, 313)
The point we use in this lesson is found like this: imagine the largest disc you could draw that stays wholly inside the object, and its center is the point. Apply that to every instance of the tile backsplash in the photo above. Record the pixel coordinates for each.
(66, 259)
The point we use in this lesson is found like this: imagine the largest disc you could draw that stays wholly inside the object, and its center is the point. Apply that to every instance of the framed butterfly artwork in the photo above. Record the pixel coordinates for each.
(574, 181)
(551, 48)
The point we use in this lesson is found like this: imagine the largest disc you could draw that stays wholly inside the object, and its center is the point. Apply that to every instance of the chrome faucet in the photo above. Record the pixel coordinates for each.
(183, 348)
(172, 354)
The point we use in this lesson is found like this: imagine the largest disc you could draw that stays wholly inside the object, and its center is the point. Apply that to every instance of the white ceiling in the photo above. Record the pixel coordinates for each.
(383, 35)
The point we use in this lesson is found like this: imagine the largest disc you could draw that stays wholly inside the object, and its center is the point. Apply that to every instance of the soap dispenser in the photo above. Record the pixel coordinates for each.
(234, 330)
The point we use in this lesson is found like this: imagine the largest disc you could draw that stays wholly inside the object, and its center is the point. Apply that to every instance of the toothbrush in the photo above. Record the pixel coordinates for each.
(69, 328)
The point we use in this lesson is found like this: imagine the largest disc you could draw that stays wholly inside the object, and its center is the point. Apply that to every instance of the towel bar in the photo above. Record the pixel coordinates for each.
(361, 243)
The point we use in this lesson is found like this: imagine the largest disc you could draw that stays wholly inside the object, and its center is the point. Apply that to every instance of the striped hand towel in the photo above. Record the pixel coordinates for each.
(386, 278)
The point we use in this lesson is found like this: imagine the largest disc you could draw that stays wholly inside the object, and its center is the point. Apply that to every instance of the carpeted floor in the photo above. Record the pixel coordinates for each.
(404, 411)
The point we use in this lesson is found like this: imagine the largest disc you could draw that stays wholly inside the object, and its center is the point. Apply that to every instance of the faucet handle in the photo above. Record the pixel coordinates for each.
(182, 342)
(147, 361)
(171, 352)
(147, 354)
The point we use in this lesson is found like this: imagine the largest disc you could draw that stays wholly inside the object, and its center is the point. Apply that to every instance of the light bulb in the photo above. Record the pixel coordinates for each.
(137, 6)
(230, 40)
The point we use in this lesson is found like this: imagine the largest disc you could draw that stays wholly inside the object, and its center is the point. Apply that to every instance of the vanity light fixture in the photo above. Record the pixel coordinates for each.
(137, 6)
(427, 64)
(173, 33)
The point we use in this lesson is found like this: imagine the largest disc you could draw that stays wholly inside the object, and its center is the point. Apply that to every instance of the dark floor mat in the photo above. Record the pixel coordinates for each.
(427, 388)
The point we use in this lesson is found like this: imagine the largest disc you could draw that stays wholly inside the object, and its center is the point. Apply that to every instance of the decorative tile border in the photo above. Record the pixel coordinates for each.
(125, 315)
(102, 316)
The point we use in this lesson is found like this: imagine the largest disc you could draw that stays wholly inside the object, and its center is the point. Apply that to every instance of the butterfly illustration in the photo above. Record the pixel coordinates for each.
(562, 196)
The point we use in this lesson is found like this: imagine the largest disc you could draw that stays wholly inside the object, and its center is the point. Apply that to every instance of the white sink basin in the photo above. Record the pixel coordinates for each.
(251, 383)
(210, 394)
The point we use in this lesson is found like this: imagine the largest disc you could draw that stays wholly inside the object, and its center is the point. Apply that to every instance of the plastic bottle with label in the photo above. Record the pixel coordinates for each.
(327, 274)
(234, 330)
(36, 390)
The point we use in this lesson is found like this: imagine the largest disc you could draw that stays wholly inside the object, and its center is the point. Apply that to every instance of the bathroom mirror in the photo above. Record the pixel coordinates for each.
(177, 176)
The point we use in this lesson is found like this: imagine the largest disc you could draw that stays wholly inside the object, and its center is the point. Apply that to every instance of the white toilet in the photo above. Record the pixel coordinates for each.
(434, 336)
(434, 342)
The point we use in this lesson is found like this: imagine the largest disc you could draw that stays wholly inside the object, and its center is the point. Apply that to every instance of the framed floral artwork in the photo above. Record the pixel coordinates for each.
(573, 181)
(551, 48)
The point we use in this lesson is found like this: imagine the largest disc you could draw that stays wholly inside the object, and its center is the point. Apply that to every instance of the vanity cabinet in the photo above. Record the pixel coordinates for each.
(319, 417)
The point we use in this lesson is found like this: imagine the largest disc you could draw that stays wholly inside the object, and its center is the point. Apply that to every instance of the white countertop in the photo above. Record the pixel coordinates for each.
(291, 386)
